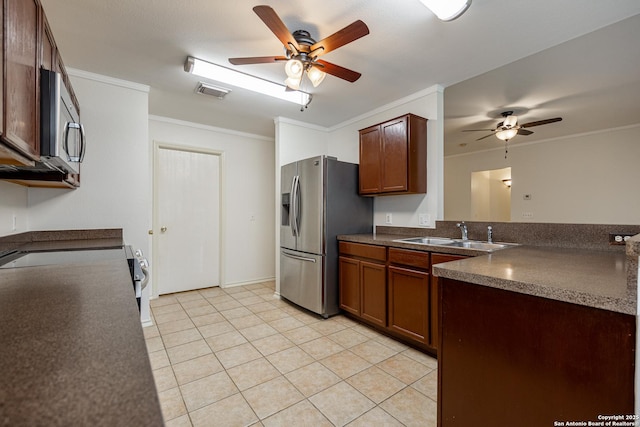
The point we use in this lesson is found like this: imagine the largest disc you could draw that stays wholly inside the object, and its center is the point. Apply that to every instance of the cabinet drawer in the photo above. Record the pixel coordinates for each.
(378, 253)
(409, 258)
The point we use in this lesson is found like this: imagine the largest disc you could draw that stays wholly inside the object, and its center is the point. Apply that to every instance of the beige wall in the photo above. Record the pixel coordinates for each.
(590, 178)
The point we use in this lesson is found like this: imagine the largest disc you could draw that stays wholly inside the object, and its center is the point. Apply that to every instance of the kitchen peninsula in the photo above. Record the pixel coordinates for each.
(536, 333)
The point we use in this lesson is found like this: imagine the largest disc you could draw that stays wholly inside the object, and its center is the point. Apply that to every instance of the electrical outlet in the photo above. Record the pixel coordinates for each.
(619, 238)
(14, 221)
(424, 219)
(388, 219)
(527, 214)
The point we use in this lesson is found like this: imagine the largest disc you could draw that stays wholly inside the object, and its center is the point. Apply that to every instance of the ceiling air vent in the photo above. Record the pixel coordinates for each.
(207, 89)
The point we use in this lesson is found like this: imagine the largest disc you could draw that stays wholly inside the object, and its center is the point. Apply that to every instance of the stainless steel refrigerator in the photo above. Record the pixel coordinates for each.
(319, 200)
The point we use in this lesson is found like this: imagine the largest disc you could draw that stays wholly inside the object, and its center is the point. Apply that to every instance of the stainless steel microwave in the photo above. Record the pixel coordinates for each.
(62, 137)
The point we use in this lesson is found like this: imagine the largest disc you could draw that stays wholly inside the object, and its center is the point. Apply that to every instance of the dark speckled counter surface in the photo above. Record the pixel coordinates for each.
(595, 279)
(605, 279)
(72, 347)
(390, 240)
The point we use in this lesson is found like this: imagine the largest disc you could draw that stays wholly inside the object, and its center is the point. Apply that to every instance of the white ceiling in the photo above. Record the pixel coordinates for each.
(407, 50)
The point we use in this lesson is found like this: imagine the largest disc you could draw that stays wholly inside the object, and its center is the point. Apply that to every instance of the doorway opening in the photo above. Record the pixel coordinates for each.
(490, 195)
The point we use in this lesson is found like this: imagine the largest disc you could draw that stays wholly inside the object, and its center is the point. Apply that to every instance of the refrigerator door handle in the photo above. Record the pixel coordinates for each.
(298, 257)
(295, 203)
(292, 222)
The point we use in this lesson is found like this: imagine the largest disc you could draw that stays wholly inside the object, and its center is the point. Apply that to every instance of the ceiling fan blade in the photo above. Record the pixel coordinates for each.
(338, 71)
(478, 130)
(275, 24)
(524, 132)
(346, 35)
(256, 60)
(541, 122)
(486, 136)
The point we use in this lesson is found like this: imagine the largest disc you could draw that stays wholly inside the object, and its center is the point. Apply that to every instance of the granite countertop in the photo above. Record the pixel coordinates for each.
(35, 241)
(389, 240)
(594, 278)
(73, 350)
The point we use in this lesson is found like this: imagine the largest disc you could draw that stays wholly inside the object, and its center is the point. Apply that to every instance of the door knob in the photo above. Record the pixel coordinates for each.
(163, 229)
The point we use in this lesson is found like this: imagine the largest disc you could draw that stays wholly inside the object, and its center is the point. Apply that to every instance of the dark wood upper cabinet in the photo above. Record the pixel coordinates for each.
(27, 44)
(49, 58)
(393, 157)
(20, 96)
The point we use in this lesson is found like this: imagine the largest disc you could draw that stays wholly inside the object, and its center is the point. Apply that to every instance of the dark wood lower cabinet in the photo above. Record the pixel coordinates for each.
(349, 279)
(409, 303)
(363, 282)
(511, 359)
(433, 297)
(373, 299)
(394, 290)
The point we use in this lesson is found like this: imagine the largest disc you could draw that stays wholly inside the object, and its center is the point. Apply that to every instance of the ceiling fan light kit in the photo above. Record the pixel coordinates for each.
(506, 134)
(302, 51)
(316, 76)
(228, 76)
(509, 128)
(510, 121)
(447, 10)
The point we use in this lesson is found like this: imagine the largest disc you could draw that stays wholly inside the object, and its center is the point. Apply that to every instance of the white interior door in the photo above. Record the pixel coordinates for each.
(187, 223)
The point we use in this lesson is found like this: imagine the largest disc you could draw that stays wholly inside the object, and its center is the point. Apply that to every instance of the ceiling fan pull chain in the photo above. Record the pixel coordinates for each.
(506, 149)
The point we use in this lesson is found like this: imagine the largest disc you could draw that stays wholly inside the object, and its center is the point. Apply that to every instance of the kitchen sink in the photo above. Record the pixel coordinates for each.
(458, 243)
(427, 240)
(483, 246)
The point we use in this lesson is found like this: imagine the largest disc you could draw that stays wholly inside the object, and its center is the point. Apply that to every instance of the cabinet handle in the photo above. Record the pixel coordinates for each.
(163, 229)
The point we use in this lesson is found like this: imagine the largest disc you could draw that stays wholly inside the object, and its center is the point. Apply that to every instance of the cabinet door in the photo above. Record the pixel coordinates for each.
(373, 292)
(409, 303)
(49, 55)
(435, 324)
(370, 160)
(21, 115)
(349, 284)
(394, 155)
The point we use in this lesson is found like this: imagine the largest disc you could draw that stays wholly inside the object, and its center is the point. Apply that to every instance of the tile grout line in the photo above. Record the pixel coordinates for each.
(347, 325)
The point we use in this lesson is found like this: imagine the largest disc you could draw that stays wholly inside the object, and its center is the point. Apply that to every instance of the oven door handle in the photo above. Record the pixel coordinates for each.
(144, 266)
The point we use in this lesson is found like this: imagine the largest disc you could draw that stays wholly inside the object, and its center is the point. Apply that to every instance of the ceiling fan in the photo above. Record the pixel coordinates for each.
(302, 51)
(509, 127)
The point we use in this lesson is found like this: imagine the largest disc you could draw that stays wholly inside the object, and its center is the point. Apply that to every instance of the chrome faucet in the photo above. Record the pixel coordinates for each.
(463, 228)
(489, 234)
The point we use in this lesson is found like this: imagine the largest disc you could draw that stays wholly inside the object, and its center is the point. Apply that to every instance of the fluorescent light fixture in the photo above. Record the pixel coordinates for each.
(235, 78)
(447, 10)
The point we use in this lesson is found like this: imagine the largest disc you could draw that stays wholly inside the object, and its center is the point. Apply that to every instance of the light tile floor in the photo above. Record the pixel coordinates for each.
(241, 357)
